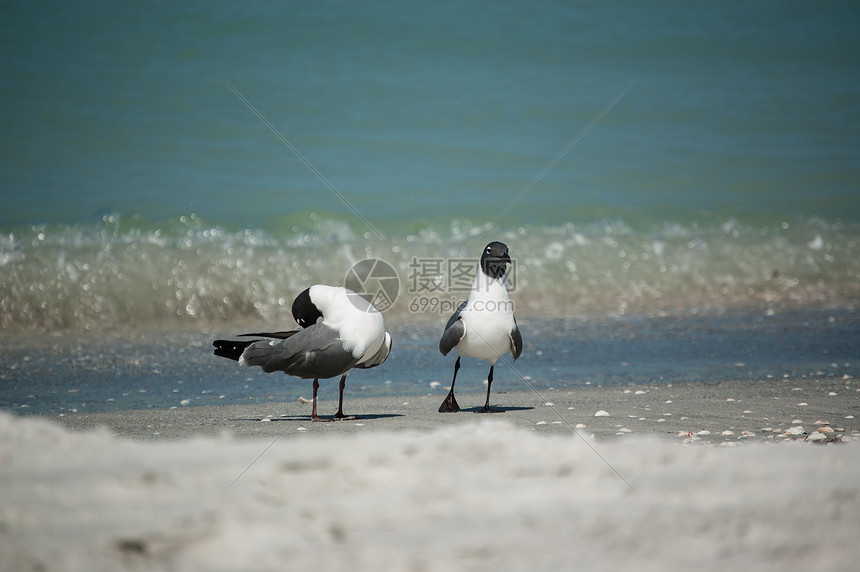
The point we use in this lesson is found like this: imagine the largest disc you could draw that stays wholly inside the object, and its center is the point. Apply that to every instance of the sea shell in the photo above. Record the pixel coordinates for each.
(601, 413)
(816, 436)
(796, 430)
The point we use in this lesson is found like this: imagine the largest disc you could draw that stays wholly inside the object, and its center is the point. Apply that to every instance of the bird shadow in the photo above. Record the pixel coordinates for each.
(494, 409)
(363, 417)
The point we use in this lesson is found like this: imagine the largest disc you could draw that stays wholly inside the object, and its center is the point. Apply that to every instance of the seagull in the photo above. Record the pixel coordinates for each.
(340, 330)
(483, 326)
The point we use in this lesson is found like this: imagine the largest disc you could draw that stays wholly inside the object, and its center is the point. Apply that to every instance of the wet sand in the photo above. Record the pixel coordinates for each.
(713, 413)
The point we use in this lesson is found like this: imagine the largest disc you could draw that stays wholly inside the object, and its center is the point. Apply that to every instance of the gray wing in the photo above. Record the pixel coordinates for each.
(516, 341)
(456, 315)
(314, 352)
(454, 332)
(455, 329)
(379, 356)
(279, 335)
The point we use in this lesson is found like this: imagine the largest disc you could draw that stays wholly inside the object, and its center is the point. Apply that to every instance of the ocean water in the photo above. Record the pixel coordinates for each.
(658, 171)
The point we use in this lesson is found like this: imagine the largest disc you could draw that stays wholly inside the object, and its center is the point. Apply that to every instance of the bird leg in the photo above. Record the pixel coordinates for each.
(339, 414)
(486, 408)
(314, 415)
(450, 404)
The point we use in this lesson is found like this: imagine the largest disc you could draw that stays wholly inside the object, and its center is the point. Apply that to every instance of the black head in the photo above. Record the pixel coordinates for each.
(494, 258)
(304, 311)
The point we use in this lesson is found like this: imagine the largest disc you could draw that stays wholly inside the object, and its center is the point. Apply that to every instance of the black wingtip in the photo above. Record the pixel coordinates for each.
(277, 335)
(230, 349)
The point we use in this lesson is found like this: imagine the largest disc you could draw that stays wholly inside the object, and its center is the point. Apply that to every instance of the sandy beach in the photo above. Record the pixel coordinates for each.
(735, 475)
(676, 191)
(765, 409)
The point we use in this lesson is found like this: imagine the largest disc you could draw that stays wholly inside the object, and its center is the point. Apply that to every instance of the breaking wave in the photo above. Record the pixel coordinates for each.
(128, 273)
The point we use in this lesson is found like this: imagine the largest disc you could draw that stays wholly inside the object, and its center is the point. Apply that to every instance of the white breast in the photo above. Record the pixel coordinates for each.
(489, 320)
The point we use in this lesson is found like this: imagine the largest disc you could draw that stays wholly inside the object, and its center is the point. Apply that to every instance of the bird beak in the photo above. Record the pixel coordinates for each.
(505, 258)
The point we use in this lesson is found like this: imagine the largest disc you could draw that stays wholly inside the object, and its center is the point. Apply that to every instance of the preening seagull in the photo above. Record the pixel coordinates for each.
(483, 327)
(340, 330)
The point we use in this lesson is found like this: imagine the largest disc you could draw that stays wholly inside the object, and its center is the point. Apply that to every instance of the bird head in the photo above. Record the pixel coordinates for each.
(494, 259)
(305, 311)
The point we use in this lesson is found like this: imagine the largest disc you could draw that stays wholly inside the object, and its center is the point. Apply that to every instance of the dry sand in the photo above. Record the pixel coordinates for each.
(405, 488)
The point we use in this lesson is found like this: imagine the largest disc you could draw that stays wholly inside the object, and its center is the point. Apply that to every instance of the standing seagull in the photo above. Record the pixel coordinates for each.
(340, 331)
(484, 326)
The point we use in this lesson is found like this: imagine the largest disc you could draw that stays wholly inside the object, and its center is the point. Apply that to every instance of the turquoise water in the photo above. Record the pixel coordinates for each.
(738, 111)
(666, 161)
(714, 158)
